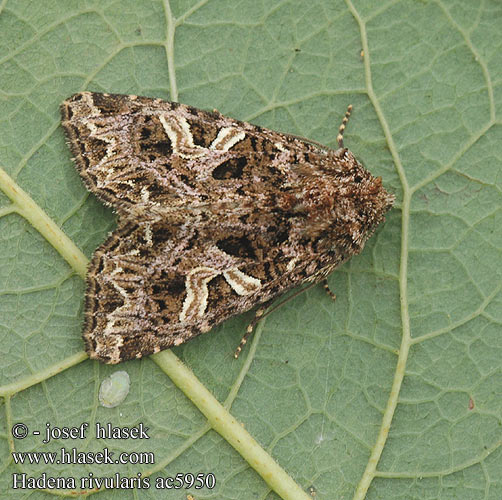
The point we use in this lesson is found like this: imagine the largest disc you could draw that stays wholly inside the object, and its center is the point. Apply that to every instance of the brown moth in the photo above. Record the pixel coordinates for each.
(215, 216)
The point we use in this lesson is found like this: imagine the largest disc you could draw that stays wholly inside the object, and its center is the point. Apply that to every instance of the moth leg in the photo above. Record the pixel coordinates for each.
(341, 130)
(328, 290)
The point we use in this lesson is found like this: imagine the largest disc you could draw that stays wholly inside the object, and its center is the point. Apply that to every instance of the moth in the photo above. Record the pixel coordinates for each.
(215, 216)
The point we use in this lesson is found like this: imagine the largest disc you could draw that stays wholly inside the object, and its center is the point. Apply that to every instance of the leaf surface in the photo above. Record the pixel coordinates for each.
(412, 344)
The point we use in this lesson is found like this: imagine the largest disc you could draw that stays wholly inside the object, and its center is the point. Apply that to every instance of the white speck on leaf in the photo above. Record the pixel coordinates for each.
(114, 389)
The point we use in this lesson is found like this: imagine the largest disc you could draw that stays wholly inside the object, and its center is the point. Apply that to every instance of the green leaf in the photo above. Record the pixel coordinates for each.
(394, 390)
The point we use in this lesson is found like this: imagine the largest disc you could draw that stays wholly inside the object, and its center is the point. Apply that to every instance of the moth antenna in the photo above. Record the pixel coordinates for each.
(341, 130)
(263, 311)
(327, 289)
(259, 314)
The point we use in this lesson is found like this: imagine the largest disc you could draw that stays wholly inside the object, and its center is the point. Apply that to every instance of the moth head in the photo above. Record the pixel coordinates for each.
(343, 202)
(362, 204)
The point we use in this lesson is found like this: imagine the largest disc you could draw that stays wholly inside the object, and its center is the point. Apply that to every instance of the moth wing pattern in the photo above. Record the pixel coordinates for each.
(120, 147)
(148, 157)
(215, 216)
(151, 288)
